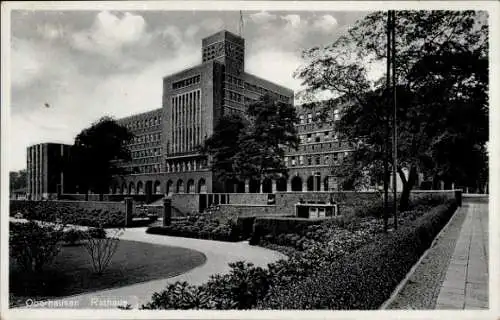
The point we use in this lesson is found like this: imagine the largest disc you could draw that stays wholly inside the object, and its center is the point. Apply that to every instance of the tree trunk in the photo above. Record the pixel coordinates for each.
(404, 201)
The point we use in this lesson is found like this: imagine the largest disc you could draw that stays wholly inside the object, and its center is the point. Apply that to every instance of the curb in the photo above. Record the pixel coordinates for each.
(402, 284)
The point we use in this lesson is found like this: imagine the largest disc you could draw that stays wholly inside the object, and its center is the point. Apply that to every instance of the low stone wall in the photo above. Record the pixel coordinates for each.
(78, 197)
(255, 204)
(348, 201)
(245, 210)
(186, 203)
(248, 198)
(419, 194)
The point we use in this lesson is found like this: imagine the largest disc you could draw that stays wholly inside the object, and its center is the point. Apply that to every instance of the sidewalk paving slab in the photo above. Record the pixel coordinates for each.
(466, 282)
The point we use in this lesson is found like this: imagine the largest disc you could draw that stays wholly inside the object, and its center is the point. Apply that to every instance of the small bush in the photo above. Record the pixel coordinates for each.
(34, 246)
(371, 209)
(98, 233)
(241, 288)
(245, 226)
(181, 295)
(73, 236)
(102, 250)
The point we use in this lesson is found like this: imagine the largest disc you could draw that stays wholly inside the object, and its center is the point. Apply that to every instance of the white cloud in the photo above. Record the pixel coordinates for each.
(191, 31)
(109, 33)
(293, 20)
(276, 66)
(262, 17)
(172, 34)
(26, 63)
(212, 24)
(326, 23)
(77, 99)
(50, 31)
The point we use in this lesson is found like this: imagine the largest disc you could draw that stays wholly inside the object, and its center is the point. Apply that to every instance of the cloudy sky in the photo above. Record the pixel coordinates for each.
(87, 64)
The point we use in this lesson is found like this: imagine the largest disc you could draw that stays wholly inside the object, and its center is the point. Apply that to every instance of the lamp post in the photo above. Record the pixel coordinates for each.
(395, 128)
(385, 148)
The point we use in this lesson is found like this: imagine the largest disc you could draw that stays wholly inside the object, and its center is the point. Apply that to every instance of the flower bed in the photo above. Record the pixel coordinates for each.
(339, 264)
(54, 211)
(364, 278)
(358, 228)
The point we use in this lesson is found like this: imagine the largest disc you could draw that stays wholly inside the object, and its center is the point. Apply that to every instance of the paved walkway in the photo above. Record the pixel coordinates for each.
(218, 254)
(466, 282)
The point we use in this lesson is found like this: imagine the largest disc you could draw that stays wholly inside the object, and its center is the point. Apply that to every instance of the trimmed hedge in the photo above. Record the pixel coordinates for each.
(168, 231)
(201, 227)
(53, 211)
(275, 226)
(365, 278)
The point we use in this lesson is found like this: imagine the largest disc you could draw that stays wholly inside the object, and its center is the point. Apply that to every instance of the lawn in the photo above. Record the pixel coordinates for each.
(71, 273)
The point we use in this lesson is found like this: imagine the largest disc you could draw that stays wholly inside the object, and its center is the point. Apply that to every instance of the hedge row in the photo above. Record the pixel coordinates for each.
(53, 211)
(278, 225)
(365, 278)
(202, 227)
(220, 235)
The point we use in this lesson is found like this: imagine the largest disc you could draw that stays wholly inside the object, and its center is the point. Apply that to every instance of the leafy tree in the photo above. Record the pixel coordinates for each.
(253, 147)
(441, 65)
(262, 148)
(17, 179)
(97, 154)
(224, 144)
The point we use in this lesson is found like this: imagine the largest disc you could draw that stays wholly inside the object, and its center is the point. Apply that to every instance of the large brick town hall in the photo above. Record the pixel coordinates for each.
(164, 150)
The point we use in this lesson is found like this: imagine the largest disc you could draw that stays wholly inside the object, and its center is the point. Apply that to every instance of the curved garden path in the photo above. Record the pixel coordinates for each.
(218, 254)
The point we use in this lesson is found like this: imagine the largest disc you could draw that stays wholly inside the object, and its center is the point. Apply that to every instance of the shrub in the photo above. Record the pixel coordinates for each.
(73, 236)
(241, 288)
(55, 211)
(180, 295)
(34, 246)
(245, 226)
(102, 250)
(370, 209)
(98, 233)
(279, 225)
(365, 278)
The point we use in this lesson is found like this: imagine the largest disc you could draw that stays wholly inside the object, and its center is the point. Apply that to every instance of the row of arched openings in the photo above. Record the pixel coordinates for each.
(170, 187)
(296, 184)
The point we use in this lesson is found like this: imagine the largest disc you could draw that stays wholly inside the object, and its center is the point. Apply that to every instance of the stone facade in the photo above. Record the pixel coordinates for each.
(165, 151)
(319, 151)
(44, 171)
